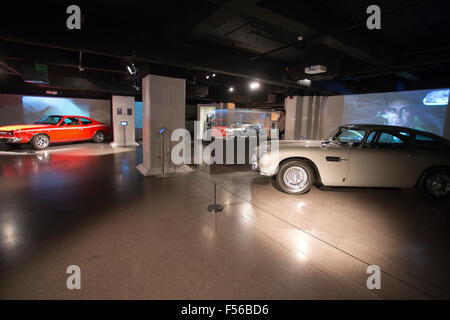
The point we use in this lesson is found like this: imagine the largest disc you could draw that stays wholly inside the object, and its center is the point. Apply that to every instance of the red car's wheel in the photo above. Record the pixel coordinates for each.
(40, 141)
(99, 137)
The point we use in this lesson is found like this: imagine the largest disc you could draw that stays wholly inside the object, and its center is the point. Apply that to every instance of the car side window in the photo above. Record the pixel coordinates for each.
(71, 121)
(370, 139)
(85, 121)
(392, 140)
(426, 143)
(351, 137)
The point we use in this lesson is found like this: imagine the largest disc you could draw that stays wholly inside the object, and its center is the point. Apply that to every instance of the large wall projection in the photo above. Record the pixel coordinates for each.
(17, 109)
(423, 110)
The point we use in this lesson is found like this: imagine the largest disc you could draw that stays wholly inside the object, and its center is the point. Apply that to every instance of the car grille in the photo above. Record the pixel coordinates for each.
(7, 133)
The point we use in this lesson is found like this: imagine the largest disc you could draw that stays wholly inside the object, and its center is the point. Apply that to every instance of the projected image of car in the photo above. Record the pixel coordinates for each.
(55, 129)
(361, 156)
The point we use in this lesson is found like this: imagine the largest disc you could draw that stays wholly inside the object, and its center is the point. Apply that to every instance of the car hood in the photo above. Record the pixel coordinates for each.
(24, 127)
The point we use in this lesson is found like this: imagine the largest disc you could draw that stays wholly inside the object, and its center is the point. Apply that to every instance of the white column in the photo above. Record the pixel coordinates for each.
(123, 113)
(163, 105)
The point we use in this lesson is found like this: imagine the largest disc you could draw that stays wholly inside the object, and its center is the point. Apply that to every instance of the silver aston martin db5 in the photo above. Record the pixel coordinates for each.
(360, 156)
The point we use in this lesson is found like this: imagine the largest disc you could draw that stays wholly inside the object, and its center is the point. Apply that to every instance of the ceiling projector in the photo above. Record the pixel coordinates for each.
(315, 69)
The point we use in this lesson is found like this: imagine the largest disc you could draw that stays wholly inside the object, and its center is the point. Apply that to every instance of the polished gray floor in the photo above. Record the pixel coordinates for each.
(140, 237)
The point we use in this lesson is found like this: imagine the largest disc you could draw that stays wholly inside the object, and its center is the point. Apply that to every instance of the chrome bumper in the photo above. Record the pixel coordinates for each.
(10, 139)
(256, 167)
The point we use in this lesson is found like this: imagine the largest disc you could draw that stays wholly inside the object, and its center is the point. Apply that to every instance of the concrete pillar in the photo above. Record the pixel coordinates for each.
(163, 105)
(123, 111)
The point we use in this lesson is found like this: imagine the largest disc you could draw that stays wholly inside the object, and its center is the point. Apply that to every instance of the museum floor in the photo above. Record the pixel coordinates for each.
(140, 237)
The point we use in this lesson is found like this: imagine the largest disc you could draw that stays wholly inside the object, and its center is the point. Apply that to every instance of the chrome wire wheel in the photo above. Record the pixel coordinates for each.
(42, 142)
(295, 178)
(438, 185)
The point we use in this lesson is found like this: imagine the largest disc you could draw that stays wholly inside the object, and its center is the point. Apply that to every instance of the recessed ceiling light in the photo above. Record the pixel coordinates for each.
(231, 89)
(254, 85)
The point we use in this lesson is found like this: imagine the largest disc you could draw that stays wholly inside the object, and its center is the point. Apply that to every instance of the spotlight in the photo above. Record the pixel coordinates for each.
(213, 75)
(231, 89)
(131, 69)
(207, 77)
(254, 85)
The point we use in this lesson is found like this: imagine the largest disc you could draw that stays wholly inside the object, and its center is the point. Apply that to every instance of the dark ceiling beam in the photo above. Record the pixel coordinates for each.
(11, 69)
(305, 31)
(209, 59)
(422, 63)
(225, 12)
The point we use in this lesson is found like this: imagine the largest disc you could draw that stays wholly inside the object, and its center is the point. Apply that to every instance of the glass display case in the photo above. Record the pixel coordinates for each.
(236, 122)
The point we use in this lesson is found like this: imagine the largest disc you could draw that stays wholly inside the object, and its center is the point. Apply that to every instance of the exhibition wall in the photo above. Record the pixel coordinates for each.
(425, 110)
(18, 109)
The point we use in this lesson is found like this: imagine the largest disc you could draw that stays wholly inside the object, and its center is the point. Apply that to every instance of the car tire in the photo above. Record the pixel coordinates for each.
(295, 177)
(435, 184)
(99, 137)
(40, 141)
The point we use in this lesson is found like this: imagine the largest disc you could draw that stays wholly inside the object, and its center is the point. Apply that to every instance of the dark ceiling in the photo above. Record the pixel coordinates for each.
(239, 40)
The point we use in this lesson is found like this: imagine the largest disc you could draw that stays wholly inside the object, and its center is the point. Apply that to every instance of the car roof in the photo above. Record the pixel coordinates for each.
(381, 127)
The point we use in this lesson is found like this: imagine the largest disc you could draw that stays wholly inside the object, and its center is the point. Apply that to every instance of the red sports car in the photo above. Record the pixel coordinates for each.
(55, 129)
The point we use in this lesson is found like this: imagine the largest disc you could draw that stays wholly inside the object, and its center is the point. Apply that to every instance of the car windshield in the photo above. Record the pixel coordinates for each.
(347, 136)
(49, 120)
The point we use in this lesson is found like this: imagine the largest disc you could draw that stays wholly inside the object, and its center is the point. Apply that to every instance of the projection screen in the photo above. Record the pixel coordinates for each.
(423, 110)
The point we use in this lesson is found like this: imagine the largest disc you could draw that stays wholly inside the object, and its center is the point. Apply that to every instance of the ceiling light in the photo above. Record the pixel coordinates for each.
(207, 77)
(214, 75)
(52, 92)
(254, 85)
(231, 89)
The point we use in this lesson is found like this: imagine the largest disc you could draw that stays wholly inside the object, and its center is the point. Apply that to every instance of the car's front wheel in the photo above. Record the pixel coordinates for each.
(40, 142)
(99, 137)
(436, 184)
(295, 177)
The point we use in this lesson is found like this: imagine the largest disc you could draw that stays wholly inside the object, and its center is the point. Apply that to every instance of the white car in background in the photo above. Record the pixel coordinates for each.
(243, 130)
(361, 156)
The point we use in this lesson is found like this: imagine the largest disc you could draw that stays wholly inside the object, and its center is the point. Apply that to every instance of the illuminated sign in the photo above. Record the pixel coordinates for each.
(124, 123)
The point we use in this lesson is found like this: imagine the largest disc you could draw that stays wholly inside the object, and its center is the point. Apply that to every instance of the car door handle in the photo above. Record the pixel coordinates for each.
(333, 159)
